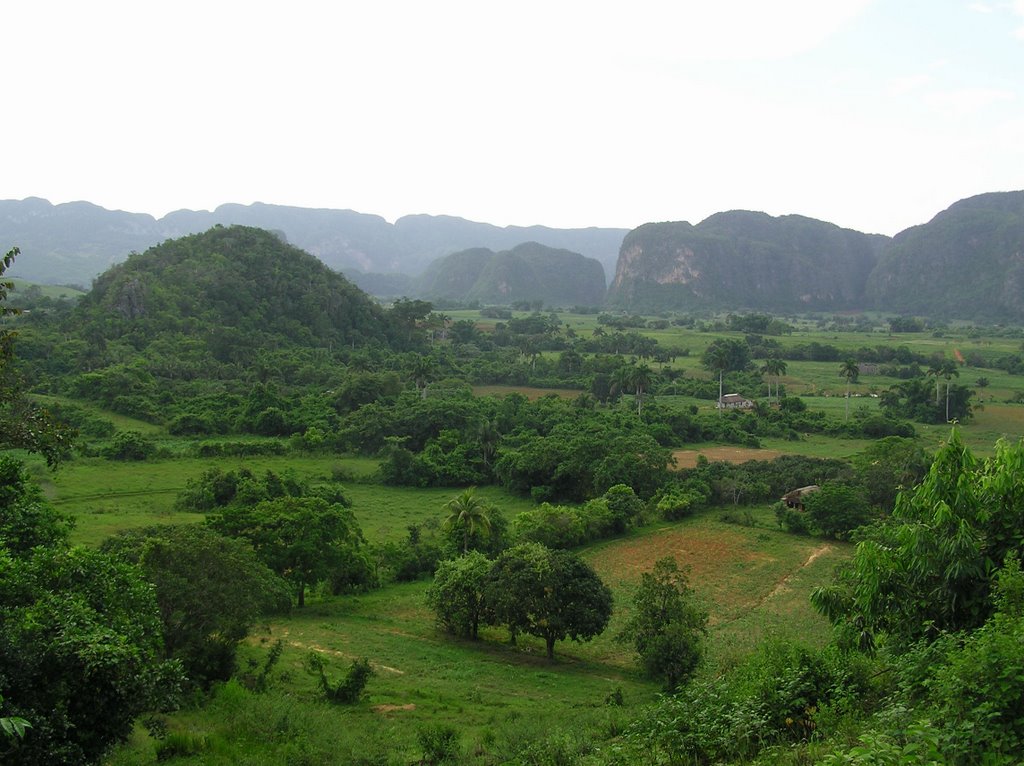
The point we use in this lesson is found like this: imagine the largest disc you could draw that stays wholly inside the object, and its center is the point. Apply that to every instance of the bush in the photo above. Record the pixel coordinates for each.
(837, 509)
(130, 445)
(349, 689)
(440, 744)
(678, 503)
(793, 520)
(179, 744)
(240, 449)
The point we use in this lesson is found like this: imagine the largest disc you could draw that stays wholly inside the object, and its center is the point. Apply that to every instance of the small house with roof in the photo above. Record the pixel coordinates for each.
(734, 402)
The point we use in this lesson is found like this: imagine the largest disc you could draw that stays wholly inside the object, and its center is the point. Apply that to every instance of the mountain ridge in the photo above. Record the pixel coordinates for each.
(73, 242)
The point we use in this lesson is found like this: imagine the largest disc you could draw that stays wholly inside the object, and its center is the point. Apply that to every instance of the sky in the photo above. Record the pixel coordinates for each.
(872, 115)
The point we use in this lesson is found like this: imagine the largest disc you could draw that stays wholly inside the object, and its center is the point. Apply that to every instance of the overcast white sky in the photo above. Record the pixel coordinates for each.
(872, 115)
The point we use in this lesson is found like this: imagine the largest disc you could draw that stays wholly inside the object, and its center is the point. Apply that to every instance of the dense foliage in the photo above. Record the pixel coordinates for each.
(210, 591)
(668, 626)
(930, 567)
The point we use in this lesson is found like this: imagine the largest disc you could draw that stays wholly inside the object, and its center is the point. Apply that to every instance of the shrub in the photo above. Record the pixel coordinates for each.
(678, 504)
(440, 744)
(349, 689)
(130, 445)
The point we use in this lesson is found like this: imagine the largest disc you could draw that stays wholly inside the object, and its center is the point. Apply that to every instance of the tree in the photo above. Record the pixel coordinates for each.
(889, 466)
(471, 512)
(837, 509)
(668, 626)
(725, 355)
(23, 424)
(948, 370)
(210, 590)
(929, 567)
(303, 539)
(913, 399)
(624, 506)
(935, 369)
(408, 313)
(716, 359)
(27, 520)
(773, 367)
(457, 594)
(640, 379)
(552, 595)
(80, 651)
(422, 371)
(850, 371)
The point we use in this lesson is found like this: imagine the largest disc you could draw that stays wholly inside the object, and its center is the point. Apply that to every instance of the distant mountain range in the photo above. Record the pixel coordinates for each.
(966, 263)
(74, 242)
(745, 260)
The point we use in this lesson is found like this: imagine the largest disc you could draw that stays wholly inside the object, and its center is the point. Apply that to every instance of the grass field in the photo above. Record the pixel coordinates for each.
(754, 580)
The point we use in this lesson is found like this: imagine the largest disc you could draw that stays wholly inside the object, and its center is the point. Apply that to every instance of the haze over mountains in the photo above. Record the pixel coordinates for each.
(72, 243)
(966, 263)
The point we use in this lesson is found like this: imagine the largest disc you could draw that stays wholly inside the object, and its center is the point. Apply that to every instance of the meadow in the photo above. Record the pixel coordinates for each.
(753, 577)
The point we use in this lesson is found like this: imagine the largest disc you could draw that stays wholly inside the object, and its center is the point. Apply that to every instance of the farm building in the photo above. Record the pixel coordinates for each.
(734, 402)
(795, 498)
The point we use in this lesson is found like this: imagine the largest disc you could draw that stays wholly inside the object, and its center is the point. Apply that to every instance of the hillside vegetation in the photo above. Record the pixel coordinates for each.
(73, 242)
(528, 272)
(348, 534)
(966, 263)
(740, 260)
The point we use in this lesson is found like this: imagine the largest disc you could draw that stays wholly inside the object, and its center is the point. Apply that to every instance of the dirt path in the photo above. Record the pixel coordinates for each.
(324, 650)
(782, 584)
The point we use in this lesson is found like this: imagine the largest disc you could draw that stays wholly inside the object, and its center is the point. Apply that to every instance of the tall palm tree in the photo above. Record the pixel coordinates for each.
(716, 357)
(948, 370)
(488, 436)
(851, 372)
(472, 512)
(936, 370)
(640, 378)
(423, 370)
(774, 368)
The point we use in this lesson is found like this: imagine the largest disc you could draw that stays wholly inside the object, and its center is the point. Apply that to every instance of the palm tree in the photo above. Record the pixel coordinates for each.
(716, 357)
(773, 367)
(640, 378)
(948, 370)
(423, 370)
(488, 436)
(936, 370)
(471, 511)
(851, 372)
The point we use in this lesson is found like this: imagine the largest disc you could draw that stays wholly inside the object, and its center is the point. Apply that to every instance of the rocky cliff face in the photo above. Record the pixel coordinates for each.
(966, 263)
(744, 260)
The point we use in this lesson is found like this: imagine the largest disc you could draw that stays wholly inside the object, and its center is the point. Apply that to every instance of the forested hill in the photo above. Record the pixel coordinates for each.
(966, 263)
(527, 272)
(72, 243)
(230, 291)
(744, 260)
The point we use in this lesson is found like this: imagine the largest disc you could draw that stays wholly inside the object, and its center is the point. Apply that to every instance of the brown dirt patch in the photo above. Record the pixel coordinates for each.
(706, 553)
(783, 584)
(687, 458)
(392, 708)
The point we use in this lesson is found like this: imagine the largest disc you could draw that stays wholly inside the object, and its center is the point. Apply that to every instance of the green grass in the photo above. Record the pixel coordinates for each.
(105, 496)
(47, 291)
(754, 579)
(121, 422)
